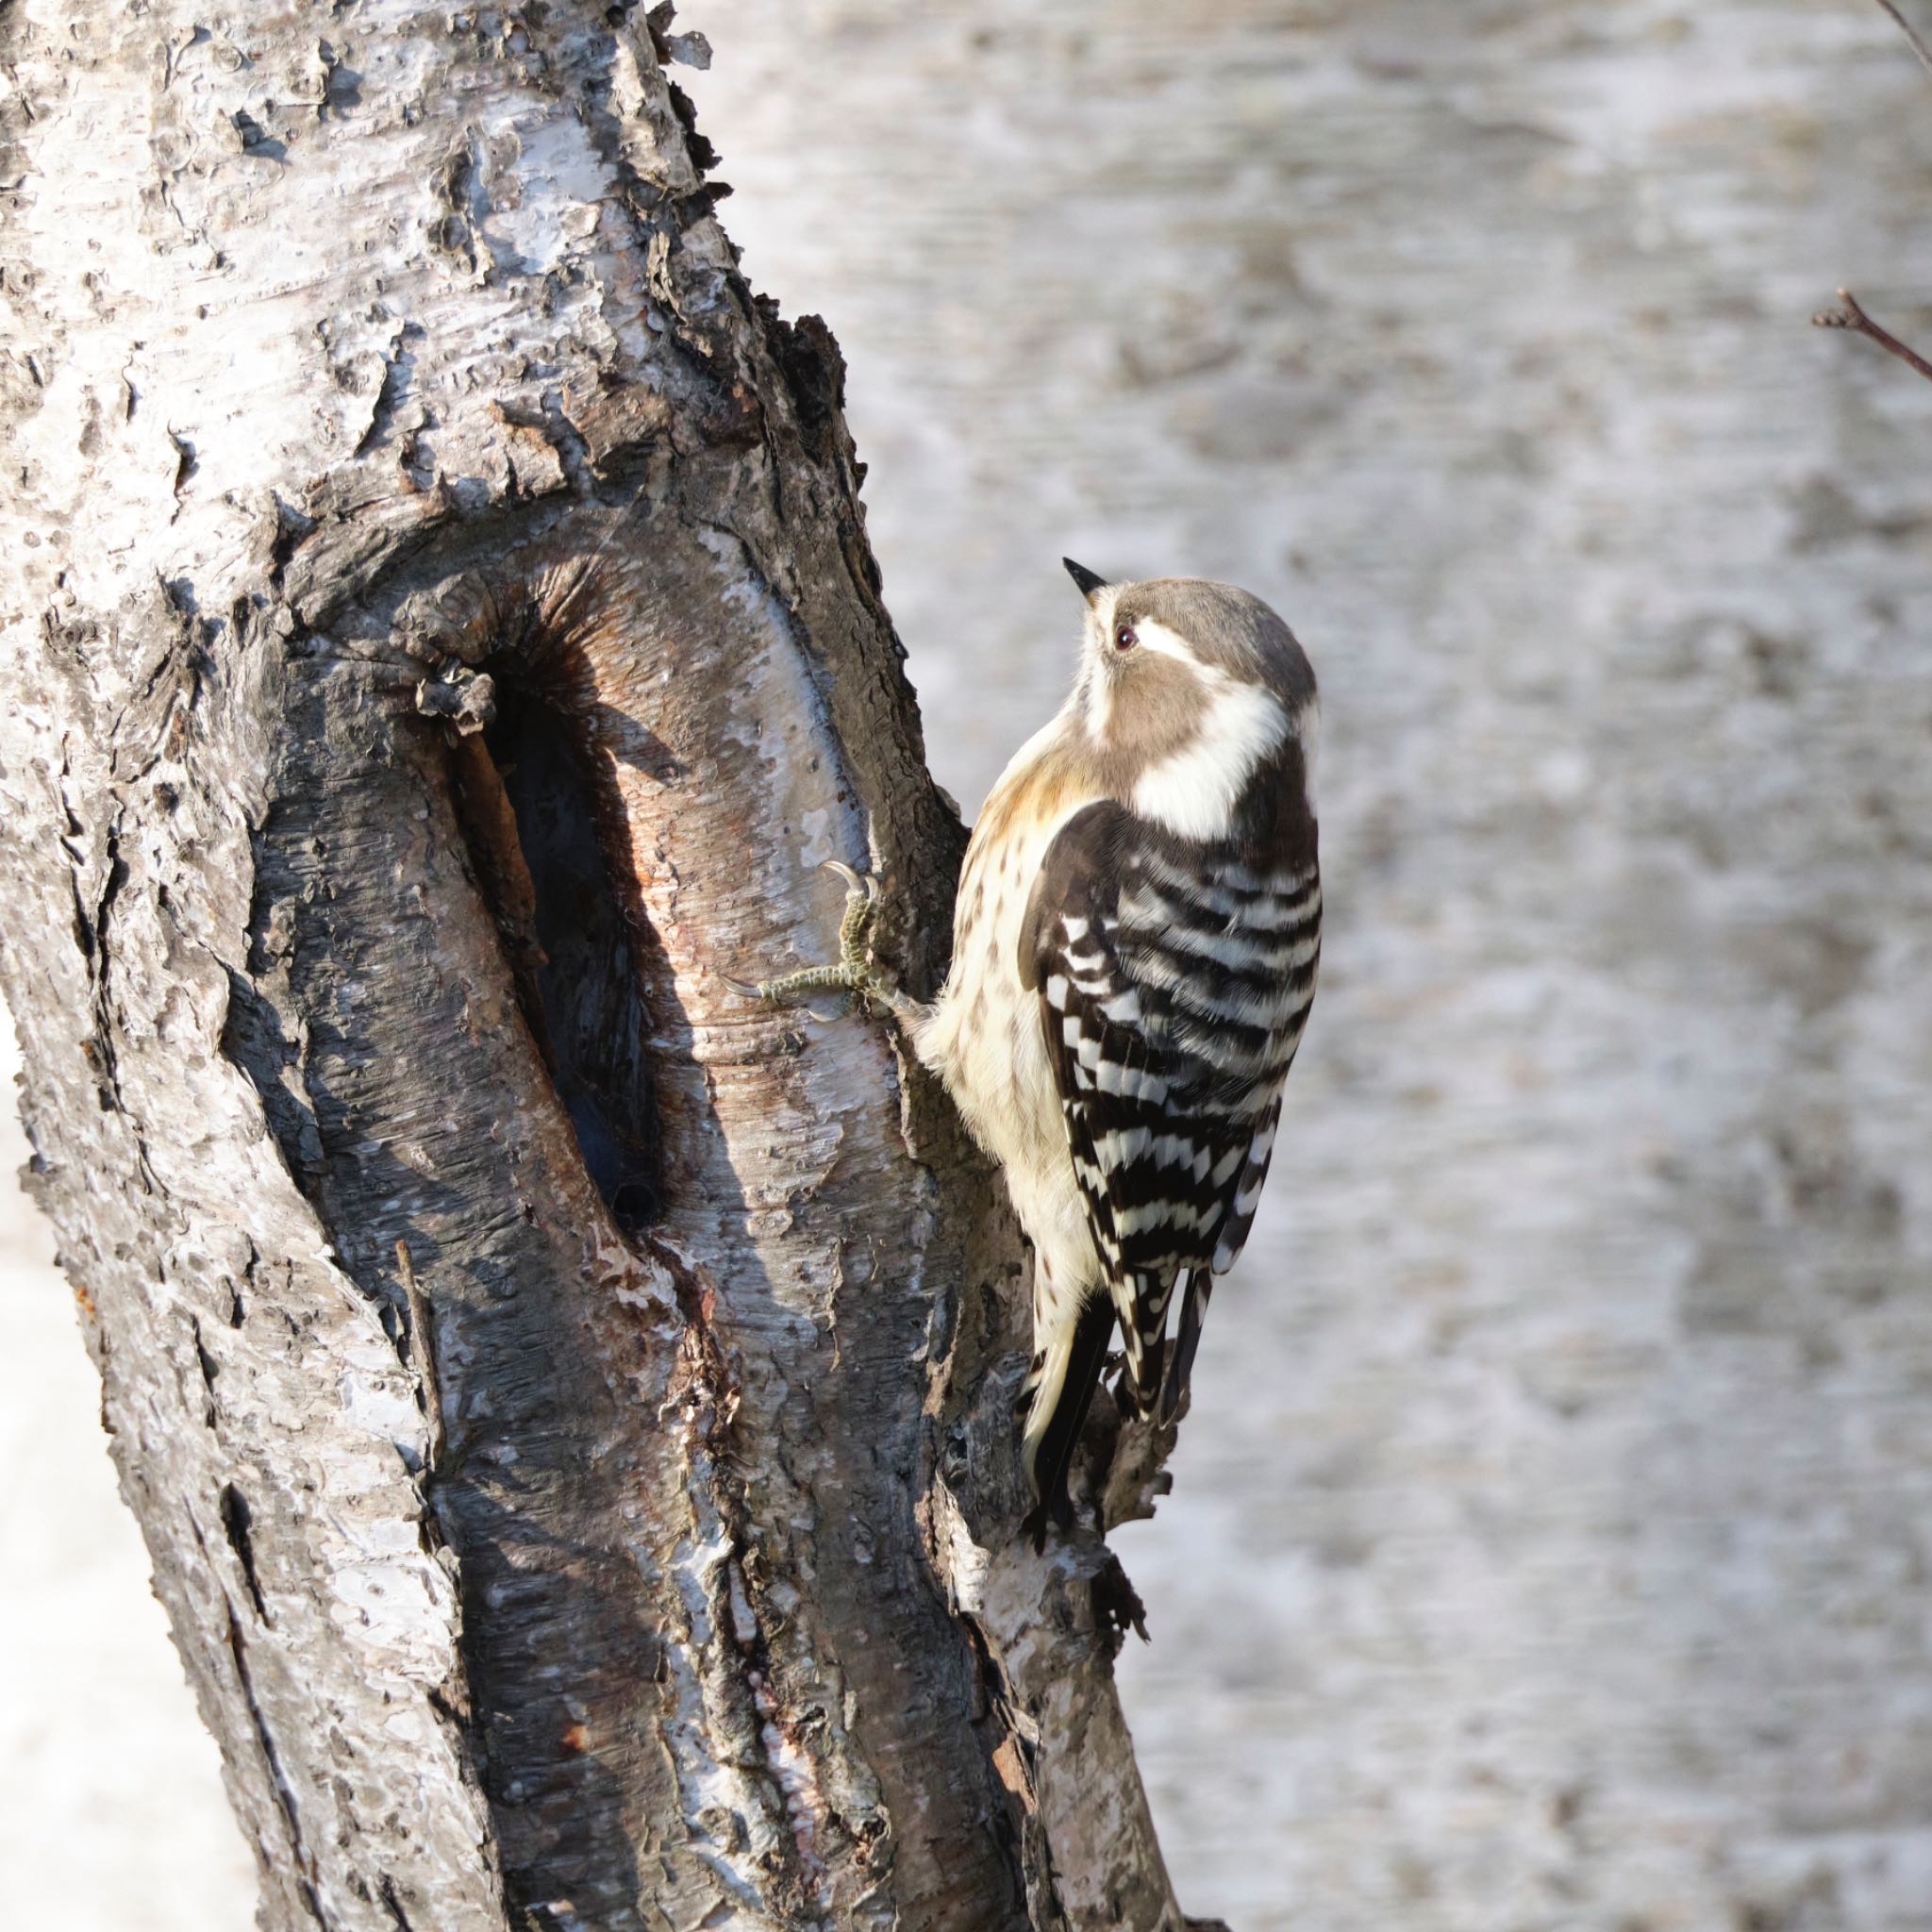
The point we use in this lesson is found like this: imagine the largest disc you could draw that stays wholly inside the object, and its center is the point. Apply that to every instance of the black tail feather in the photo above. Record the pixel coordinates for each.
(1181, 1365)
(1062, 1434)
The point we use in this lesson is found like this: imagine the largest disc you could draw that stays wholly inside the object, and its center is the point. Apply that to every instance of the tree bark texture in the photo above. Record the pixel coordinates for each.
(567, 1406)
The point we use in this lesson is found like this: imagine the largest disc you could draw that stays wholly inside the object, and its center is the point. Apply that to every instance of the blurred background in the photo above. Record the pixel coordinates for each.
(1552, 1537)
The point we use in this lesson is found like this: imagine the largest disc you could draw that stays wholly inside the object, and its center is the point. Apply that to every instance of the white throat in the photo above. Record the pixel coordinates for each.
(1097, 684)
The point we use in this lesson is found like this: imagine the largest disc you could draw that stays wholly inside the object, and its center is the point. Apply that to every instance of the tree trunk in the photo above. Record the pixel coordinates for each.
(568, 1406)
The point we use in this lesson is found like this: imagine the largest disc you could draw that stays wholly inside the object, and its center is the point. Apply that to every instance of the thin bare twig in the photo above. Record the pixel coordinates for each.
(1854, 318)
(1906, 28)
(1851, 316)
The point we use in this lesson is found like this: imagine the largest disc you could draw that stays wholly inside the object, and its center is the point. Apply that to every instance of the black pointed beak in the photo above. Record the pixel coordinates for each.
(1088, 581)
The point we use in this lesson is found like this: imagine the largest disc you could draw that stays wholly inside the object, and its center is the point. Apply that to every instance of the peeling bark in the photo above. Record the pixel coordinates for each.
(569, 1410)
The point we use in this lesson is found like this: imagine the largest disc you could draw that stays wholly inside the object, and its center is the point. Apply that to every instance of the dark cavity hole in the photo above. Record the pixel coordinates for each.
(530, 811)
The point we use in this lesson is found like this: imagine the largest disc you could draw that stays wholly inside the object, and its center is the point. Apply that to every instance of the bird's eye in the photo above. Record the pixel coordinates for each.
(1123, 637)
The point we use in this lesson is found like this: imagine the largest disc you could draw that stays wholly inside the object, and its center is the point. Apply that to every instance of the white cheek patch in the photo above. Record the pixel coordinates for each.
(1193, 792)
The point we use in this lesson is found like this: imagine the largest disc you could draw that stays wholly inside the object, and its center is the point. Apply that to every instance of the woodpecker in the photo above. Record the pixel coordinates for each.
(1135, 943)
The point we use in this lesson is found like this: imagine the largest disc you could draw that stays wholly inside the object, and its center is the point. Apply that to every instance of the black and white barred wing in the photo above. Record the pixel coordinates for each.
(1225, 958)
(1226, 948)
(1172, 994)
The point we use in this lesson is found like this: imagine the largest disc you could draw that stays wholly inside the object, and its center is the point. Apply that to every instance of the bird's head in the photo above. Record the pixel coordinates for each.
(1186, 688)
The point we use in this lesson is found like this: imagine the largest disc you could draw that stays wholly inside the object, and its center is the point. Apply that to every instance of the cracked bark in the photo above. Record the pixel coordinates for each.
(569, 1410)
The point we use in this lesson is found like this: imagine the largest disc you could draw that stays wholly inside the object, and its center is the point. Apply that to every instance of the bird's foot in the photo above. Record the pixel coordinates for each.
(855, 972)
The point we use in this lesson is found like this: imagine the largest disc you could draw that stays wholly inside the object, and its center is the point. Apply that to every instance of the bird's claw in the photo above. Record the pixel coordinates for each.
(855, 927)
(855, 972)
